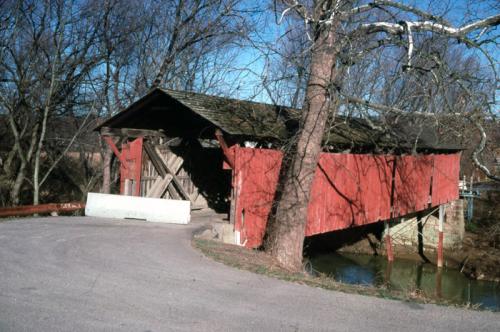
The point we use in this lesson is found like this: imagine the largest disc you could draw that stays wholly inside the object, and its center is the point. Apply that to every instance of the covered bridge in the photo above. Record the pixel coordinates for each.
(223, 154)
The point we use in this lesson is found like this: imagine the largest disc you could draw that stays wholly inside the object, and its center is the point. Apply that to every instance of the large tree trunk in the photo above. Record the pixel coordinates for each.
(286, 231)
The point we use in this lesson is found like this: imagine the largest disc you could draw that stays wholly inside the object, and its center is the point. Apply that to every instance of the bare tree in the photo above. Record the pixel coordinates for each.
(181, 44)
(208, 22)
(119, 24)
(341, 32)
(47, 58)
(73, 61)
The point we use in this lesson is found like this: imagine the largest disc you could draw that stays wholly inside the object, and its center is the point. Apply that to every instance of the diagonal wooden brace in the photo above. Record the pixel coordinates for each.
(175, 180)
(225, 148)
(168, 174)
(155, 159)
(115, 150)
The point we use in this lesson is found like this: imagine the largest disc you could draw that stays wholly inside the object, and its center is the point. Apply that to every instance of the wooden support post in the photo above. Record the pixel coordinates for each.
(440, 237)
(388, 242)
(388, 272)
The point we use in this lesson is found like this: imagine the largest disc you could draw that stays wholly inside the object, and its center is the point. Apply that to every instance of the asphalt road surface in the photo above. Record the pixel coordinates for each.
(89, 274)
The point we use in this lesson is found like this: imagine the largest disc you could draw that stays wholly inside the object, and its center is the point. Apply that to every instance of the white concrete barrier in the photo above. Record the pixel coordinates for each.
(133, 207)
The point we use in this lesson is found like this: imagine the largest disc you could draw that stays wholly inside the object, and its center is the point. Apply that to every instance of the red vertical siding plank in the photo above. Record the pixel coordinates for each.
(124, 169)
(257, 177)
(135, 156)
(445, 178)
(131, 165)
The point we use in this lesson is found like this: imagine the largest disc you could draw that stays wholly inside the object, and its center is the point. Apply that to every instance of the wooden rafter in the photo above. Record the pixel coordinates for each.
(130, 132)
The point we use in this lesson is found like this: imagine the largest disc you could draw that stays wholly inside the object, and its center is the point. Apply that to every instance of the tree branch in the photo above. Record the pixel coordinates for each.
(395, 110)
(394, 4)
(479, 149)
(399, 28)
(388, 109)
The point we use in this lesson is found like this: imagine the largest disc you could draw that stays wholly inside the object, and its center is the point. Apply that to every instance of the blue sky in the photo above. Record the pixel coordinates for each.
(251, 60)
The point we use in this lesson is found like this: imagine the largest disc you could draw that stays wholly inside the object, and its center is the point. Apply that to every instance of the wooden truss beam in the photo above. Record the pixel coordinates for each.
(167, 170)
(155, 159)
(130, 132)
(176, 181)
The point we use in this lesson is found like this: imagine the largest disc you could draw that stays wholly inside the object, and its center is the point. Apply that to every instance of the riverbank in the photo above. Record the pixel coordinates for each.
(481, 245)
(261, 263)
(480, 257)
(406, 275)
(475, 253)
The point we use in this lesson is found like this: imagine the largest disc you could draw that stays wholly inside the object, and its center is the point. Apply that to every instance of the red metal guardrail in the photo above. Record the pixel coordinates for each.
(25, 210)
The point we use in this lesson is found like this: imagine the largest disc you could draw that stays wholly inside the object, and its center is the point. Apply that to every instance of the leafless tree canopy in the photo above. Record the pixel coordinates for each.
(388, 73)
(386, 62)
(65, 64)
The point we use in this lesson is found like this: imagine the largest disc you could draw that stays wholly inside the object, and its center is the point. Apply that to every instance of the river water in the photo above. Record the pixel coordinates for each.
(409, 275)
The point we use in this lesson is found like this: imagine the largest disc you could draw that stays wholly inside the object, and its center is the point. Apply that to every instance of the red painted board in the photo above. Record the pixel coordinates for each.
(136, 164)
(256, 178)
(124, 171)
(132, 155)
(349, 190)
(445, 178)
(412, 184)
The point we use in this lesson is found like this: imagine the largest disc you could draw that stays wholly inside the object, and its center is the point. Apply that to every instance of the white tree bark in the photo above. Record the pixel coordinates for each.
(399, 28)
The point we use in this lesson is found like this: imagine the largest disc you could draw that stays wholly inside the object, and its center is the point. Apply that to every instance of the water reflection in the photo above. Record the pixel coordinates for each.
(439, 283)
(409, 275)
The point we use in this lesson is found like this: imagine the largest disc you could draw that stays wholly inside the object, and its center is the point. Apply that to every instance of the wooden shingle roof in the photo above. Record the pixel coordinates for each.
(192, 113)
(238, 117)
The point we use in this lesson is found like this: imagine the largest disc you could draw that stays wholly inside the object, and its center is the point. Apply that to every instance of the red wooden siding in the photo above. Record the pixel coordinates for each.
(348, 189)
(255, 179)
(445, 178)
(132, 154)
(412, 184)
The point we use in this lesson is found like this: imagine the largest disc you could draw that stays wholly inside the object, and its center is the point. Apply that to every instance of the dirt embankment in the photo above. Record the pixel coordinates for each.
(481, 245)
(480, 256)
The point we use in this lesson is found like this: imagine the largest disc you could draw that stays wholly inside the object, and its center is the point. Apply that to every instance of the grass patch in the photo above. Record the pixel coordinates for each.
(261, 263)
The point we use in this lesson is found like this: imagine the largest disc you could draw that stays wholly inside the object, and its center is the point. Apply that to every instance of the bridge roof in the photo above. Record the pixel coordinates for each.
(181, 113)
